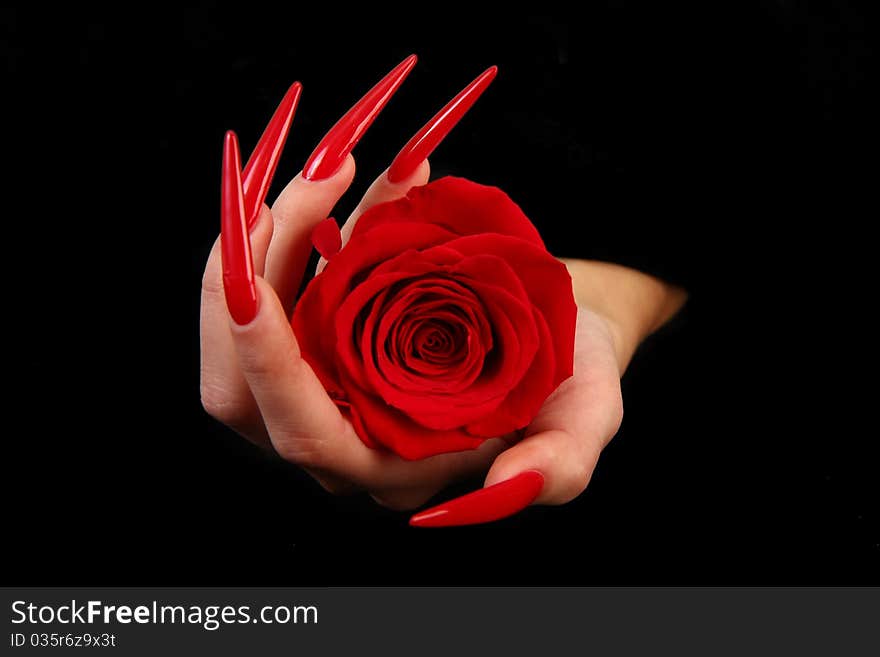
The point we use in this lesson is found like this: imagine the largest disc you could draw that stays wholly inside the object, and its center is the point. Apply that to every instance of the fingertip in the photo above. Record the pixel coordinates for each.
(266, 307)
(485, 505)
(418, 177)
(343, 177)
(304, 202)
(557, 456)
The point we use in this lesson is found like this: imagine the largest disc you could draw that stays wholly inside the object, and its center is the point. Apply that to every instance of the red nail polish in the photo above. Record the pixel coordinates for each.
(344, 136)
(492, 503)
(327, 238)
(258, 173)
(429, 137)
(235, 243)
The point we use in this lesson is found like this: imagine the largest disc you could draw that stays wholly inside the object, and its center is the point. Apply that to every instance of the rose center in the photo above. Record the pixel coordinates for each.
(429, 335)
(438, 342)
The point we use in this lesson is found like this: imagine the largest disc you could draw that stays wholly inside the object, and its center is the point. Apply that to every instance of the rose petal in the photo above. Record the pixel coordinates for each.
(327, 290)
(516, 342)
(408, 304)
(350, 356)
(326, 238)
(458, 205)
(547, 283)
(525, 400)
(445, 406)
(398, 433)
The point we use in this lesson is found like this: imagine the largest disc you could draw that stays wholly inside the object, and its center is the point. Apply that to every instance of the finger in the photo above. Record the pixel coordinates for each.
(403, 485)
(565, 442)
(224, 392)
(434, 131)
(297, 412)
(485, 505)
(300, 207)
(389, 477)
(575, 423)
(406, 485)
(554, 462)
(381, 191)
(310, 196)
(304, 424)
(260, 169)
(410, 168)
(552, 466)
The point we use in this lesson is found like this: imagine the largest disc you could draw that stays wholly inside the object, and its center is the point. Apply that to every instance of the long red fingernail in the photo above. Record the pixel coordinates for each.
(492, 503)
(235, 243)
(258, 172)
(344, 136)
(429, 137)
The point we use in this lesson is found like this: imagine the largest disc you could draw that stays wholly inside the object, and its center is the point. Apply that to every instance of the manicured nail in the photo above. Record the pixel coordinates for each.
(257, 176)
(327, 238)
(492, 503)
(235, 242)
(429, 137)
(344, 136)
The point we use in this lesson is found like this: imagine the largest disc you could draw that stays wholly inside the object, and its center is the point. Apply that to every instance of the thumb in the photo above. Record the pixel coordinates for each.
(552, 465)
(565, 462)
(543, 468)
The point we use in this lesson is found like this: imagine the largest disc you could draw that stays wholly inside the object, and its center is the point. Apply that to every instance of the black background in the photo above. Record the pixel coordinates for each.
(722, 148)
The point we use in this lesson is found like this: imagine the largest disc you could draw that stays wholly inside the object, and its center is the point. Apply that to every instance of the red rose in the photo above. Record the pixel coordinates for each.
(443, 322)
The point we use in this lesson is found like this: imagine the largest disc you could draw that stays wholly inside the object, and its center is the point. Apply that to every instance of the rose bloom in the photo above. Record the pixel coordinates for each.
(443, 322)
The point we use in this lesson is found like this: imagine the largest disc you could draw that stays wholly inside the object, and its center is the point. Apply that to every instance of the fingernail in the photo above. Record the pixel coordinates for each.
(258, 173)
(429, 137)
(235, 243)
(344, 136)
(326, 238)
(492, 503)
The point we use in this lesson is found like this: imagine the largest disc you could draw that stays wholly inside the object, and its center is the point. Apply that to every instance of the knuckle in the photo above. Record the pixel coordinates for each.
(579, 476)
(304, 452)
(256, 364)
(616, 412)
(267, 365)
(573, 481)
(212, 285)
(286, 209)
(576, 468)
(547, 452)
(223, 407)
(212, 281)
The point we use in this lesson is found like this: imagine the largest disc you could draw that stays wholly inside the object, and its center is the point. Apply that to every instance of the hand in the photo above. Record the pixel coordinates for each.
(617, 308)
(253, 377)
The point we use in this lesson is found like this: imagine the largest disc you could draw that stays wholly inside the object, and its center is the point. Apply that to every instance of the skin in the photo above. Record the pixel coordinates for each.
(254, 379)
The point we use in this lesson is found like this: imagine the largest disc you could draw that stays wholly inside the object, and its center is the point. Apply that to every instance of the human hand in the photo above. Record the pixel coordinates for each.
(553, 463)
(253, 377)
